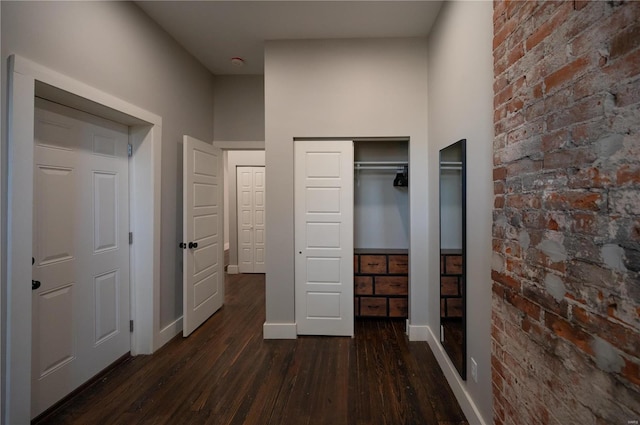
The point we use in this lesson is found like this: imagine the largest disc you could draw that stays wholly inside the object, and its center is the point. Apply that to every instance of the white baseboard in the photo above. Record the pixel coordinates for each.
(279, 331)
(167, 333)
(232, 269)
(456, 383)
(417, 333)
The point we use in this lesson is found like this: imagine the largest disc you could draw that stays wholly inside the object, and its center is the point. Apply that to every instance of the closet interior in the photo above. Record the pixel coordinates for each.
(381, 228)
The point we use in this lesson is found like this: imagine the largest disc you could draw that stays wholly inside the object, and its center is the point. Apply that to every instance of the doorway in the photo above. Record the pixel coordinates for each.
(26, 81)
(368, 211)
(251, 196)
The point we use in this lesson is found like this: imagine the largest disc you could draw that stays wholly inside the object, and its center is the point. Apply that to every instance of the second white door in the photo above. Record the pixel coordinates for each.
(251, 230)
(203, 245)
(323, 189)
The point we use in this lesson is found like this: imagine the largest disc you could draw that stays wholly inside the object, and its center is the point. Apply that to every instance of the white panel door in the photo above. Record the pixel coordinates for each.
(251, 230)
(80, 250)
(324, 237)
(203, 273)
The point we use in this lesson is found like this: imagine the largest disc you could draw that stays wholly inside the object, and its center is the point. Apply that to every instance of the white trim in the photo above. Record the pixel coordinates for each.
(279, 331)
(167, 333)
(457, 385)
(232, 269)
(226, 246)
(418, 333)
(145, 135)
(240, 146)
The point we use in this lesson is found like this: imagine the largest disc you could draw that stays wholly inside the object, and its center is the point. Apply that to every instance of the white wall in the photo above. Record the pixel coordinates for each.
(381, 210)
(239, 108)
(341, 88)
(115, 47)
(461, 106)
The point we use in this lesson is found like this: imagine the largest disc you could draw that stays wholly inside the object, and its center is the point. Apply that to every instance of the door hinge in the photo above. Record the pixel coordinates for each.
(130, 238)
(130, 325)
(129, 150)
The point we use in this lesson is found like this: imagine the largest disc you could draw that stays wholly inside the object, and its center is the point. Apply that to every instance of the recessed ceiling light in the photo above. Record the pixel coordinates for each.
(237, 61)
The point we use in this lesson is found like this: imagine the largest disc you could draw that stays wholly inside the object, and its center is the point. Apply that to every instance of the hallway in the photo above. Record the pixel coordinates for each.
(225, 373)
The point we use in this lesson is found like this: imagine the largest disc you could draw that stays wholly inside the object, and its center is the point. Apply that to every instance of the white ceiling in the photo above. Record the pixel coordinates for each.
(214, 31)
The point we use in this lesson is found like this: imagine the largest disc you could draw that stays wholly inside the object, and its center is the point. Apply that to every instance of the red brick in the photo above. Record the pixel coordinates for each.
(624, 67)
(571, 333)
(547, 27)
(503, 32)
(631, 371)
(617, 334)
(588, 178)
(578, 157)
(505, 280)
(499, 173)
(574, 200)
(625, 41)
(578, 112)
(503, 96)
(515, 54)
(627, 94)
(554, 140)
(583, 222)
(581, 4)
(523, 166)
(521, 201)
(522, 304)
(628, 174)
(498, 202)
(566, 73)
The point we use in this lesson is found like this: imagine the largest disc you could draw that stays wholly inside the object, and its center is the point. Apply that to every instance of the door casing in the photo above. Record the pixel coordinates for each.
(26, 80)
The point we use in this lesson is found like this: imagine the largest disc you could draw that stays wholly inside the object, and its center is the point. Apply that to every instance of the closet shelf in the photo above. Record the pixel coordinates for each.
(380, 165)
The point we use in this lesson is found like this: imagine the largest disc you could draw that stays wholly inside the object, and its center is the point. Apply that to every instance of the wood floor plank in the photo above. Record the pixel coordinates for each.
(226, 373)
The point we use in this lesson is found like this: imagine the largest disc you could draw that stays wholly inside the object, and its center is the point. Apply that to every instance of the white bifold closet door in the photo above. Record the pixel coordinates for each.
(80, 293)
(251, 230)
(323, 195)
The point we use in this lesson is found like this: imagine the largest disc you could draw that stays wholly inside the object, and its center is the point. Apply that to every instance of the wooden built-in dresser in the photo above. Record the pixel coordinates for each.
(381, 282)
(450, 283)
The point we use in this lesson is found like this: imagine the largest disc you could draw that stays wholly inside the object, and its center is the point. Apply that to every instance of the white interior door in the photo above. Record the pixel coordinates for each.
(324, 237)
(80, 250)
(251, 230)
(203, 273)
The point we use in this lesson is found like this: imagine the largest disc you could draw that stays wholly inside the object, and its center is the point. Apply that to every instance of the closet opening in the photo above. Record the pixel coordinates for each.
(381, 229)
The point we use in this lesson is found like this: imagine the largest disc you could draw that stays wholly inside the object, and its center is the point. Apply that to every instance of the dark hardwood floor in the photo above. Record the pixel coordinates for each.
(225, 373)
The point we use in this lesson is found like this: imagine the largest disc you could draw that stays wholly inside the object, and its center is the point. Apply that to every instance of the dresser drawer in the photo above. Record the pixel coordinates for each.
(356, 264)
(398, 264)
(373, 264)
(373, 306)
(398, 307)
(449, 286)
(453, 264)
(363, 285)
(391, 285)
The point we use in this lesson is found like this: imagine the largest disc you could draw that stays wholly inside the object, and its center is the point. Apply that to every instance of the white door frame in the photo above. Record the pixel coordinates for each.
(145, 130)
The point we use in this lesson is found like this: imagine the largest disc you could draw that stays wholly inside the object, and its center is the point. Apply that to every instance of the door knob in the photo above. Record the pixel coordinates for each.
(193, 245)
(35, 284)
(183, 245)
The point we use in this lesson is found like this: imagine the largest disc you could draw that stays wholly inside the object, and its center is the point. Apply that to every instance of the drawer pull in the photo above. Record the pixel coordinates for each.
(372, 264)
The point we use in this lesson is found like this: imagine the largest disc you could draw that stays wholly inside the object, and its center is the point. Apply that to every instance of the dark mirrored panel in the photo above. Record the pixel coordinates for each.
(452, 254)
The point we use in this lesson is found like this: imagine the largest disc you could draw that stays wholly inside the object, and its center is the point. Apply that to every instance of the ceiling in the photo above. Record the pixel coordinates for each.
(215, 31)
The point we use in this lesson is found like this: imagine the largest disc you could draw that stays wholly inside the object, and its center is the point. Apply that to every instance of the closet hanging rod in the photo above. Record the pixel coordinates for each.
(385, 163)
(397, 168)
(450, 167)
(450, 163)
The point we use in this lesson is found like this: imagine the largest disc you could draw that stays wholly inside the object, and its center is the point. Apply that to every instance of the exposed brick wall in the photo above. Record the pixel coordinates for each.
(566, 234)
